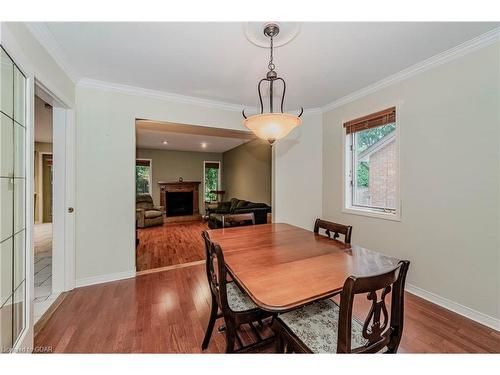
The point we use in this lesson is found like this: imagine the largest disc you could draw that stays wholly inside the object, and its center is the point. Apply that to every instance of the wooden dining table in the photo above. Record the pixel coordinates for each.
(282, 267)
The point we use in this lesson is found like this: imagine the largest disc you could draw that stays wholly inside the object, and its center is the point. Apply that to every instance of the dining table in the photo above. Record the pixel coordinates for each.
(282, 267)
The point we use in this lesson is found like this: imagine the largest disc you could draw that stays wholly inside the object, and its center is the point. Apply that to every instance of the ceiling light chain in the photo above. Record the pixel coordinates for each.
(271, 65)
(272, 126)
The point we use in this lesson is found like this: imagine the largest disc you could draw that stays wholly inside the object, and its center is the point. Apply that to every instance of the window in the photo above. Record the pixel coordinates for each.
(143, 176)
(211, 180)
(372, 165)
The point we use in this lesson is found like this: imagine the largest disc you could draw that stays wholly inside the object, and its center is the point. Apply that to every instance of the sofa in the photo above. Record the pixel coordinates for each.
(240, 206)
(147, 214)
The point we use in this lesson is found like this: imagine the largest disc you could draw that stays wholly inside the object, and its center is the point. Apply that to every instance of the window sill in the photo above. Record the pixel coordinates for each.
(375, 214)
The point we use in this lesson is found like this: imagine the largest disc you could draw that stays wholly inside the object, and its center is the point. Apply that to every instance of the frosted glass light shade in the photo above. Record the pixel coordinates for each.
(272, 126)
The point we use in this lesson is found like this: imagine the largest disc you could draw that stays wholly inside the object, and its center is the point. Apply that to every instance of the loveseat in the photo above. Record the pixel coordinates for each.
(239, 206)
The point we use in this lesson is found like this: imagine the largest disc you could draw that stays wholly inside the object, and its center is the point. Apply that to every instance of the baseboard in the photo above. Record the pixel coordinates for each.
(86, 281)
(47, 314)
(465, 311)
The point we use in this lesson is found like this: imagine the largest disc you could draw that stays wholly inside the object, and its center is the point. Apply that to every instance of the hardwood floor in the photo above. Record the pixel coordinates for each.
(170, 244)
(167, 312)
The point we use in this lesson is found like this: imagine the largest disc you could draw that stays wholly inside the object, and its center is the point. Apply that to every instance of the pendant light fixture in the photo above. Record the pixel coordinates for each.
(271, 125)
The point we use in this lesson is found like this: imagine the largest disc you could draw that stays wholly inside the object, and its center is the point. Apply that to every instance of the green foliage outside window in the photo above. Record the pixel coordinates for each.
(363, 174)
(211, 183)
(142, 178)
(365, 139)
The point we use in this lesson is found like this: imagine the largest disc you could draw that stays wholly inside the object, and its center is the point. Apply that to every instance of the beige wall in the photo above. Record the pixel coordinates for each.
(44, 119)
(298, 173)
(246, 172)
(448, 119)
(39, 148)
(168, 166)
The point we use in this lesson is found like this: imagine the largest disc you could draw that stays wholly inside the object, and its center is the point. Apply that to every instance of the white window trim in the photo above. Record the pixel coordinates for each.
(219, 177)
(347, 188)
(150, 173)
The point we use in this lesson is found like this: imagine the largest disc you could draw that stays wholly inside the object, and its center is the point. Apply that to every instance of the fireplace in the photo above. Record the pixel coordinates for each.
(179, 203)
(180, 200)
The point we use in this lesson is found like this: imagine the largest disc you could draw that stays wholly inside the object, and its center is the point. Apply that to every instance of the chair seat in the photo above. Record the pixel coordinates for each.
(150, 214)
(237, 299)
(316, 325)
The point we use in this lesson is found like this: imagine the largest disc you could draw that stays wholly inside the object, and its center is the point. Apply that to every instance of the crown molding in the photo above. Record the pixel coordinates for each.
(462, 49)
(43, 35)
(157, 94)
(176, 98)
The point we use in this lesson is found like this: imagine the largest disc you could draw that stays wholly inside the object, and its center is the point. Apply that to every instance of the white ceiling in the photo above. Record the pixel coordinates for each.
(152, 139)
(325, 62)
(152, 135)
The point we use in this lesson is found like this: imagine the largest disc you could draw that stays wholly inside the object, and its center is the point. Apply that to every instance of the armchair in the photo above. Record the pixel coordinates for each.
(147, 214)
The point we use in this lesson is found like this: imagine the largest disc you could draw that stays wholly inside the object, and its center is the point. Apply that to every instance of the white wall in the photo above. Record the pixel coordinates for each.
(298, 174)
(450, 137)
(105, 201)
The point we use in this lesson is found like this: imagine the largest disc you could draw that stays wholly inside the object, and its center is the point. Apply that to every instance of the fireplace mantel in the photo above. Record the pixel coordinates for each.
(185, 186)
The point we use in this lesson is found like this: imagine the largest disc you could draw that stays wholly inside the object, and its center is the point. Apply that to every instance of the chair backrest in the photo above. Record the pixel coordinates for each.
(380, 328)
(216, 273)
(239, 219)
(335, 228)
(143, 200)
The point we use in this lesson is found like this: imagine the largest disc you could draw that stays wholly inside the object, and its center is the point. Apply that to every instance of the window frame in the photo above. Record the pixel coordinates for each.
(150, 192)
(219, 177)
(348, 167)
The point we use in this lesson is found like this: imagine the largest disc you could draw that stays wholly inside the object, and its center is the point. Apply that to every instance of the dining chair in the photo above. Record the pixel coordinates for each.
(335, 228)
(236, 220)
(235, 306)
(326, 327)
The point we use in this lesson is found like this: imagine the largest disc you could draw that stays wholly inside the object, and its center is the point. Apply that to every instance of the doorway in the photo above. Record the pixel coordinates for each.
(178, 179)
(43, 202)
(53, 182)
(19, 87)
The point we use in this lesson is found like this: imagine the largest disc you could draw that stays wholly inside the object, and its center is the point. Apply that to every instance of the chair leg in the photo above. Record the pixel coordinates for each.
(230, 339)
(211, 323)
(280, 344)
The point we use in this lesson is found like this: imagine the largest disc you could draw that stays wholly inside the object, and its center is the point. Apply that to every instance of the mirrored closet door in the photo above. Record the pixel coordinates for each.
(12, 203)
